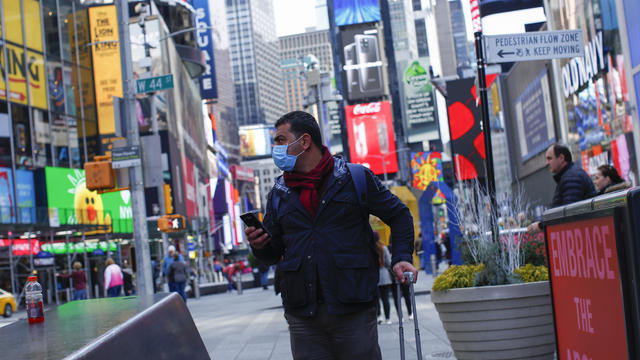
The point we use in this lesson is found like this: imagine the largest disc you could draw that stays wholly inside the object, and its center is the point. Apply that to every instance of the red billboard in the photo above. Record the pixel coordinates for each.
(371, 137)
(189, 187)
(587, 293)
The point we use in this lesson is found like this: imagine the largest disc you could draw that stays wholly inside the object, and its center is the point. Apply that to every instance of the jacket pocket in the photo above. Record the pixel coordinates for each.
(292, 284)
(356, 279)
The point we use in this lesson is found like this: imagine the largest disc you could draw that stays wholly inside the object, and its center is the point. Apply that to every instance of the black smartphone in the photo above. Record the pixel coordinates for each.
(250, 219)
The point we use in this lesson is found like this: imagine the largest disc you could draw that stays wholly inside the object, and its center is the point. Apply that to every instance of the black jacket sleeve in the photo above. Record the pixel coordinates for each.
(388, 207)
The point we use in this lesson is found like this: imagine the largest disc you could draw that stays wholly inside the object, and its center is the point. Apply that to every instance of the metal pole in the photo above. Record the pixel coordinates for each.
(13, 275)
(141, 236)
(486, 130)
(30, 252)
(66, 240)
(55, 278)
(87, 272)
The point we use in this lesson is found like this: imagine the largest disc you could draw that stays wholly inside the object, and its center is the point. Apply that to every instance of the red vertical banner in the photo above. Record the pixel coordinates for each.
(189, 186)
(587, 292)
(371, 136)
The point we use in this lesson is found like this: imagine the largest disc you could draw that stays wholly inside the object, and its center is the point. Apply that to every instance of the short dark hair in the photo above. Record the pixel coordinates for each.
(611, 172)
(302, 122)
(560, 149)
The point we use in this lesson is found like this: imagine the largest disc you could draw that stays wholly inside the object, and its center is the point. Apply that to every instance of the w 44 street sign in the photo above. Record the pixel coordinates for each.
(155, 83)
(537, 45)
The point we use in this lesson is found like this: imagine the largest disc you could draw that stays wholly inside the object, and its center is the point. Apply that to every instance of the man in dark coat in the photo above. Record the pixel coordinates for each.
(573, 183)
(329, 269)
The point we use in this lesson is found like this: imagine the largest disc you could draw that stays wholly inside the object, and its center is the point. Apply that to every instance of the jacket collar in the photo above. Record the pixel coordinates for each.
(558, 176)
(339, 170)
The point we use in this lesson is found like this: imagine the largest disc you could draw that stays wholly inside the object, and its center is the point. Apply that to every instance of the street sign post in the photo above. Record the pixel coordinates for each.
(155, 83)
(539, 45)
(124, 157)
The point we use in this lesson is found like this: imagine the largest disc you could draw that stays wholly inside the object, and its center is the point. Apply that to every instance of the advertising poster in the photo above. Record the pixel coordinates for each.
(467, 139)
(587, 295)
(371, 137)
(595, 87)
(347, 12)
(189, 186)
(19, 69)
(25, 195)
(425, 168)
(80, 30)
(107, 74)
(208, 86)
(361, 62)
(75, 204)
(255, 140)
(534, 118)
(418, 99)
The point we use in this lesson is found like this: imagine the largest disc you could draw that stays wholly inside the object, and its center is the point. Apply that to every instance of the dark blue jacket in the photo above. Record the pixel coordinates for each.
(332, 257)
(573, 185)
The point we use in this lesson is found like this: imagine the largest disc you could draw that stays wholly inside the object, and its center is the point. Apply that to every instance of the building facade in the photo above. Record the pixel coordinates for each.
(315, 42)
(254, 61)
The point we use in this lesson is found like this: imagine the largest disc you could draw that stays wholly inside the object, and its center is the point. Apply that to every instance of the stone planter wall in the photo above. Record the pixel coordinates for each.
(498, 322)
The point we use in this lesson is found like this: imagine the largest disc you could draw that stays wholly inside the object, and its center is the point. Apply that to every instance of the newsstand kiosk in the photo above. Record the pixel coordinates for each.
(593, 251)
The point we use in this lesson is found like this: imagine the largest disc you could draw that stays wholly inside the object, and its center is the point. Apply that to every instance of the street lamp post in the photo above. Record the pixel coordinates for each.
(384, 163)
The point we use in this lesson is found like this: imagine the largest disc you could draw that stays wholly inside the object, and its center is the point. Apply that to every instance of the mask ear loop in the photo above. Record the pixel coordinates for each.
(296, 142)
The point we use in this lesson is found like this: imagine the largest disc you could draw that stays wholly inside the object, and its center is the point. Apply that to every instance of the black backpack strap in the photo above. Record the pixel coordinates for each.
(359, 177)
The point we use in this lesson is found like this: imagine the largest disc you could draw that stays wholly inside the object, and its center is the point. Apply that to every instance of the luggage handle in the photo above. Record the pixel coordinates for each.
(408, 276)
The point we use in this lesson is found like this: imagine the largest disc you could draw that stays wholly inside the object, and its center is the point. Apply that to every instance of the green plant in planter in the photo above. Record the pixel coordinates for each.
(457, 276)
(532, 273)
(490, 263)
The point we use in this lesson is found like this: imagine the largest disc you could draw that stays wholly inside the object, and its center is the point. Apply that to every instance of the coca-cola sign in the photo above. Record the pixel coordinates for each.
(363, 109)
(371, 138)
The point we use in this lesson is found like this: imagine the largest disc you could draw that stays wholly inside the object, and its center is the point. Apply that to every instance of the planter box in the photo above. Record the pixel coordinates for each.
(498, 322)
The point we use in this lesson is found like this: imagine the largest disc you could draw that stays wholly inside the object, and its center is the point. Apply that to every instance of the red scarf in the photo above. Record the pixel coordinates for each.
(310, 184)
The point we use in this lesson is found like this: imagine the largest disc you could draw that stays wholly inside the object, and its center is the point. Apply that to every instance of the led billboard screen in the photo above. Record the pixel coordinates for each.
(371, 136)
(347, 12)
(361, 62)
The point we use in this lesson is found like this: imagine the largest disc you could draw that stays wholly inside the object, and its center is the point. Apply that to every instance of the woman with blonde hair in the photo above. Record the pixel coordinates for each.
(113, 278)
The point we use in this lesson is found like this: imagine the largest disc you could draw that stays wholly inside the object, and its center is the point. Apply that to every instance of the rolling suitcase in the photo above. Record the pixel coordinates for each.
(408, 276)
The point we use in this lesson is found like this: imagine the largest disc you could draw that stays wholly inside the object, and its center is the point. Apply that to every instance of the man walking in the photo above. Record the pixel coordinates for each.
(168, 259)
(319, 234)
(573, 183)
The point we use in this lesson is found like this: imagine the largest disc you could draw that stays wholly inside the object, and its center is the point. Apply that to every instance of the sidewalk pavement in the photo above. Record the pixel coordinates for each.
(252, 326)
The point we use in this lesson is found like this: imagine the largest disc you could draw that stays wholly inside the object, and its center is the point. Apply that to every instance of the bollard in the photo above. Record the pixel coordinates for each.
(239, 283)
(196, 288)
(434, 265)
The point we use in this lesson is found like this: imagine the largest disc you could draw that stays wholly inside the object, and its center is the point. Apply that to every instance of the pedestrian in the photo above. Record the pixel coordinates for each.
(168, 259)
(112, 278)
(572, 183)
(127, 279)
(217, 267)
(608, 180)
(229, 272)
(317, 222)
(178, 276)
(79, 281)
(385, 283)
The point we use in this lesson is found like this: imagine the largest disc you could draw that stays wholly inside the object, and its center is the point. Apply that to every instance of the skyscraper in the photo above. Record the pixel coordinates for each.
(314, 42)
(255, 61)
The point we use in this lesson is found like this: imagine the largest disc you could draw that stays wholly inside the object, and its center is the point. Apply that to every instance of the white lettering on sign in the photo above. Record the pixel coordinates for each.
(583, 314)
(581, 70)
(574, 355)
(582, 253)
(539, 45)
(370, 108)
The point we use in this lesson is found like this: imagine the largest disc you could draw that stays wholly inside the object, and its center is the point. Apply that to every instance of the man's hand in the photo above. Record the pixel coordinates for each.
(257, 237)
(534, 227)
(400, 268)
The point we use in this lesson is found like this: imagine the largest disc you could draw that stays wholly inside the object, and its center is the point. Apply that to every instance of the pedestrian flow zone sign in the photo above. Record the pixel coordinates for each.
(539, 45)
(155, 83)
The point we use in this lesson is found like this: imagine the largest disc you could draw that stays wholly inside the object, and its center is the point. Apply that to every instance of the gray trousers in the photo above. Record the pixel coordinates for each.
(335, 337)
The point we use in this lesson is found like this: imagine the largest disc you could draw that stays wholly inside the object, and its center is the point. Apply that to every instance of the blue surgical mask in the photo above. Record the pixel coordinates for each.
(283, 160)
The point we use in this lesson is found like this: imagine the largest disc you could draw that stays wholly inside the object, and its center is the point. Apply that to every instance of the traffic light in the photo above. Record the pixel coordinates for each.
(98, 174)
(168, 199)
(171, 223)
